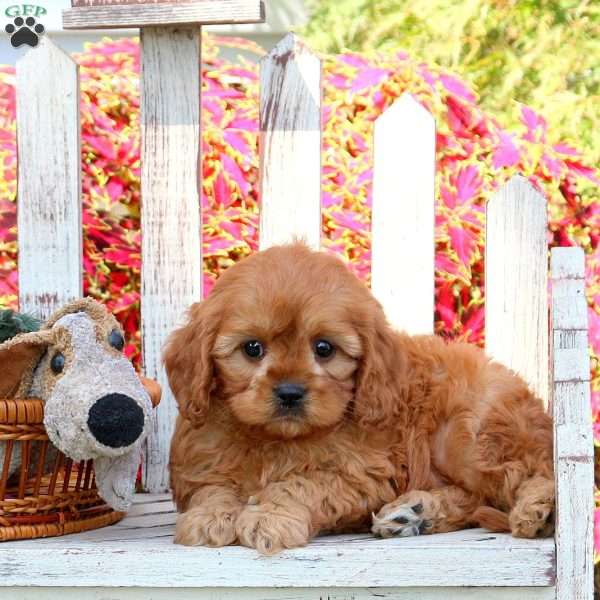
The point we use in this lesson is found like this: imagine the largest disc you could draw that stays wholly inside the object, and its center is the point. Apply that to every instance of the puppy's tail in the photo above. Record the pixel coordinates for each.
(491, 518)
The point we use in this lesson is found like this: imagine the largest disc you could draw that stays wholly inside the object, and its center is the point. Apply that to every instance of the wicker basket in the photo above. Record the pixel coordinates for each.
(45, 493)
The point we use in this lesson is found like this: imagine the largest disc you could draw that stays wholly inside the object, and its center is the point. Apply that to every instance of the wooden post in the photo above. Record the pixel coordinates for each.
(403, 244)
(290, 144)
(573, 439)
(170, 127)
(516, 282)
(49, 180)
(171, 249)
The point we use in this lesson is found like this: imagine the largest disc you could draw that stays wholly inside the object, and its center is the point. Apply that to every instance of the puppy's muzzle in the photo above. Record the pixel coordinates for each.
(289, 398)
(116, 420)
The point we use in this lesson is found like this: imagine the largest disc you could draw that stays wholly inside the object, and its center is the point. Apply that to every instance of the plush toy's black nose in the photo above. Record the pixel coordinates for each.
(116, 420)
(290, 396)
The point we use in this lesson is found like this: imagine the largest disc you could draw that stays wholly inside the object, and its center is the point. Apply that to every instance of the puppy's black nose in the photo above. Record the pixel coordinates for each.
(116, 420)
(289, 396)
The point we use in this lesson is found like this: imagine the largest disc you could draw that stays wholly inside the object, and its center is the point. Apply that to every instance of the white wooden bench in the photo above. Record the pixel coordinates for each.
(135, 558)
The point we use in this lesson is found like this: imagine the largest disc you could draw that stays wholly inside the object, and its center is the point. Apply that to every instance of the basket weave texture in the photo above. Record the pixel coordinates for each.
(42, 492)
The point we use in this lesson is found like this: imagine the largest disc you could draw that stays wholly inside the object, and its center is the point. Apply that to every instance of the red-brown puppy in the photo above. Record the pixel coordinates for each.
(302, 411)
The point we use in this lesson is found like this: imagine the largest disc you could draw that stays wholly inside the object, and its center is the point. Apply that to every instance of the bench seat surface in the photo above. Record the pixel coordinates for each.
(139, 552)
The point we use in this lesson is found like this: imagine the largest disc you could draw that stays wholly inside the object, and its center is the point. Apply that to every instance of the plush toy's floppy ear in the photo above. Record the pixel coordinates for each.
(189, 363)
(153, 390)
(18, 359)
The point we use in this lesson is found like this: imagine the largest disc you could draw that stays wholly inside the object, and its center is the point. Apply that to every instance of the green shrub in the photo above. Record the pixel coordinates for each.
(544, 53)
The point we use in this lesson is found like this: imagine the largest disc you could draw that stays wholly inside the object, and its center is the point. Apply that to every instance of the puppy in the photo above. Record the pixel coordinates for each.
(303, 412)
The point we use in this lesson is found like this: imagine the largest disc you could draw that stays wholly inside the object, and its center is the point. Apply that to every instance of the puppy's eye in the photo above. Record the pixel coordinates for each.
(254, 349)
(57, 364)
(324, 349)
(115, 339)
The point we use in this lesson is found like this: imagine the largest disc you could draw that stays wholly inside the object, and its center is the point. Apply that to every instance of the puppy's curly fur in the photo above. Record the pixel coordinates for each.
(431, 436)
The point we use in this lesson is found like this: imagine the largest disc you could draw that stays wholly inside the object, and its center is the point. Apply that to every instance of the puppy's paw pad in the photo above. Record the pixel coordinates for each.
(400, 520)
(199, 528)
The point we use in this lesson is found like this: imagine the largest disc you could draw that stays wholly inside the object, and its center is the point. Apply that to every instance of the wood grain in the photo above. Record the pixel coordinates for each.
(140, 552)
(79, 3)
(516, 288)
(171, 251)
(290, 144)
(164, 13)
(573, 437)
(49, 180)
(403, 215)
(412, 593)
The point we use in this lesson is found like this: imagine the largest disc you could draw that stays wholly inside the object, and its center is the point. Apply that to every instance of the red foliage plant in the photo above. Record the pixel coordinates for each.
(475, 155)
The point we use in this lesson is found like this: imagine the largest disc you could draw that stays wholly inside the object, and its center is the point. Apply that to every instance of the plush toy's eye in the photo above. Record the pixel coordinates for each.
(324, 349)
(57, 364)
(254, 349)
(115, 339)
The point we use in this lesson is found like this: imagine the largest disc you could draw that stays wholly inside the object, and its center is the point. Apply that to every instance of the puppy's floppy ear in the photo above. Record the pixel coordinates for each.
(189, 363)
(378, 394)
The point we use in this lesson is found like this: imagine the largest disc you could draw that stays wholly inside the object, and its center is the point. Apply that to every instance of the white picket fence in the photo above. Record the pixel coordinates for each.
(50, 261)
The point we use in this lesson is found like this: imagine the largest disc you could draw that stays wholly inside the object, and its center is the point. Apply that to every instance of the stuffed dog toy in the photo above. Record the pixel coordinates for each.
(95, 405)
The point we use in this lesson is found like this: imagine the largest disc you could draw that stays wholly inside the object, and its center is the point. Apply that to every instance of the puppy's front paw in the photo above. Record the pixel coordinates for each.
(533, 514)
(201, 527)
(532, 520)
(269, 531)
(535, 520)
(404, 517)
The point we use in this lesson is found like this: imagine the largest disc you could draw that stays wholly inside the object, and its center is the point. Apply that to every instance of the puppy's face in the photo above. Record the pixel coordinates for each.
(286, 360)
(283, 330)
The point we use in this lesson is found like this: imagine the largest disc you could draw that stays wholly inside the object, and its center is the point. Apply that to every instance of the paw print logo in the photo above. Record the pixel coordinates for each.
(24, 31)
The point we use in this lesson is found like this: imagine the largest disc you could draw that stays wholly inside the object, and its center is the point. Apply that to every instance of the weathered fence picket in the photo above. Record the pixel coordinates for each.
(49, 179)
(402, 273)
(290, 144)
(516, 282)
(171, 248)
